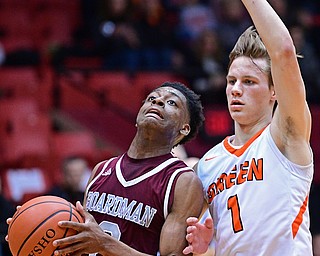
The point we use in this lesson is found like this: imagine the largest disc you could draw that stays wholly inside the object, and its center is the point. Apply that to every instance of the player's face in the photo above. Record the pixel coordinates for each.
(164, 108)
(249, 97)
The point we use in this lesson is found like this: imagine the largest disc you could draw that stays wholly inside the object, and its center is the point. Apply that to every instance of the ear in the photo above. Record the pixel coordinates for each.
(185, 129)
(184, 132)
(273, 95)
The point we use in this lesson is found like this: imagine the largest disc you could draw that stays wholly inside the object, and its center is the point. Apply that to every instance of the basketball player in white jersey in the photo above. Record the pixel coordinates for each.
(256, 182)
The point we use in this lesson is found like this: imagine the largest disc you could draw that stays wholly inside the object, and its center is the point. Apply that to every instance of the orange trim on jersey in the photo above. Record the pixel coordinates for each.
(298, 220)
(239, 151)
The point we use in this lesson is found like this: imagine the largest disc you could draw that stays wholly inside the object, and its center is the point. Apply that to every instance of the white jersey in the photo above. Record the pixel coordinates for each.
(258, 199)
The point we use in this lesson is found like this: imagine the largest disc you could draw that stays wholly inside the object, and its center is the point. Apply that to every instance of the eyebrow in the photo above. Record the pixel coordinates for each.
(171, 91)
(246, 76)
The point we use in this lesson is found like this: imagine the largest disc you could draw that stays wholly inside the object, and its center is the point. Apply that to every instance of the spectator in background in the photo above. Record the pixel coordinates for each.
(284, 10)
(232, 21)
(194, 17)
(116, 38)
(307, 14)
(154, 25)
(300, 19)
(205, 67)
(134, 35)
(309, 64)
(75, 173)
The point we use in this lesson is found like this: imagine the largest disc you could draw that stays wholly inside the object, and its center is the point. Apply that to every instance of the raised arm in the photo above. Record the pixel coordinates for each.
(291, 125)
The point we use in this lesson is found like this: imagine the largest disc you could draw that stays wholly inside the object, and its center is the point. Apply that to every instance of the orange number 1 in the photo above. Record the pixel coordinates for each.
(233, 205)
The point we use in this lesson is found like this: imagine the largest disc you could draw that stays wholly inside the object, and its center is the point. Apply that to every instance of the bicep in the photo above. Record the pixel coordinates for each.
(292, 111)
(188, 201)
(291, 124)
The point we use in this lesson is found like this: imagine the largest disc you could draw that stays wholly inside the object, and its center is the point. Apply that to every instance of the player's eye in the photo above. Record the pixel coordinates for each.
(231, 81)
(151, 98)
(172, 103)
(248, 81)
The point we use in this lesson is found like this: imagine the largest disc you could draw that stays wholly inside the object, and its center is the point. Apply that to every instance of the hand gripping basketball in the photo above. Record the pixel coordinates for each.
(34, 226)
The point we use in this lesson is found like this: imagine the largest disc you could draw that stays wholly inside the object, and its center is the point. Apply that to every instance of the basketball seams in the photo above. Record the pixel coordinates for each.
(15, 217)
(77, 217)
(70, 218)
(37, 227)
(23, 239)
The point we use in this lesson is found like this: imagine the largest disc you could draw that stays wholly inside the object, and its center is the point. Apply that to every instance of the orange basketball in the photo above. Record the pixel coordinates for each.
(35, 225)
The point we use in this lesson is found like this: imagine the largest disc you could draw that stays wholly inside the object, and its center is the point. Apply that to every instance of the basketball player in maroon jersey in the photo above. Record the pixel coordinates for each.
(138, 203)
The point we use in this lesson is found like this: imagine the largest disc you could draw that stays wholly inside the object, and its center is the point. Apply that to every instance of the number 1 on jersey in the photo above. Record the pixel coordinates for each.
(233, 205)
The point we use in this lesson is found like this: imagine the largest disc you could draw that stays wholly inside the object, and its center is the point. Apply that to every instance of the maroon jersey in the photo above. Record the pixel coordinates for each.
(131, 198)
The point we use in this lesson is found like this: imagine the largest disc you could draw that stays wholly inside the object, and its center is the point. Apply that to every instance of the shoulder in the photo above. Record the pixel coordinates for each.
(215, 151)
(188, 195)
(184, 177)
(99, 166)
(188, 181)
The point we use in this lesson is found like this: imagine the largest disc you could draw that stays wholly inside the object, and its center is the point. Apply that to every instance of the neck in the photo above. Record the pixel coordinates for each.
(245, 132)
(145, 147)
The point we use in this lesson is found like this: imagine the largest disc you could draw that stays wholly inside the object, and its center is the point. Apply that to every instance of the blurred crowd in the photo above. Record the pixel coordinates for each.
(188, 37)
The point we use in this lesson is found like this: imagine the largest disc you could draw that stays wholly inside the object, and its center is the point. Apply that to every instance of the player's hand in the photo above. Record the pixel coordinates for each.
(9, 221)
(198, 235)
(89, 239)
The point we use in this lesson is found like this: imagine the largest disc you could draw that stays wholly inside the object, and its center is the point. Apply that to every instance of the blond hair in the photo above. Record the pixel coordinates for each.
(250, 45)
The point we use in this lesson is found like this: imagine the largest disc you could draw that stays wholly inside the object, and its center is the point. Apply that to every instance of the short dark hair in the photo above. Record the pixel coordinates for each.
(194, 106)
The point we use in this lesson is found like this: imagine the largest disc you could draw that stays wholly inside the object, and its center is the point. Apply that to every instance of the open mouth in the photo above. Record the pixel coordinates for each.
(154, 113)
(236, 103)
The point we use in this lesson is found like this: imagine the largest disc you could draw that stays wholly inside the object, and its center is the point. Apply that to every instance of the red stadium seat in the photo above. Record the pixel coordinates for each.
(15, 21)
(15, 25)
(28, 137)
(71, 143)
(119, 91)
(52, 28)
(74, 93)
(75, 62)
(19, 82)
(24, 131)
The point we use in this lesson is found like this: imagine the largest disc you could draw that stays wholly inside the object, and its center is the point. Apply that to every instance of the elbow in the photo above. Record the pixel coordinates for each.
(285, 51)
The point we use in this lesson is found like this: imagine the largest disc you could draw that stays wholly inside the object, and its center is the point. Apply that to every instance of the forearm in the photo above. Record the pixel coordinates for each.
(272, 30)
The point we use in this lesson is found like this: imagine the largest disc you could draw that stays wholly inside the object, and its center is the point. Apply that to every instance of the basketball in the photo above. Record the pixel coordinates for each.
(35, 225)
